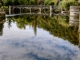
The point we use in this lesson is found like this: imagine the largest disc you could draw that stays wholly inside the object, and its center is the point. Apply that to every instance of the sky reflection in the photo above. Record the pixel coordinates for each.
(16, 44)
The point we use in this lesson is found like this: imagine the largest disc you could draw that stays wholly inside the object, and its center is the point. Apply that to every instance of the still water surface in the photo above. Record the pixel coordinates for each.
(21, 39)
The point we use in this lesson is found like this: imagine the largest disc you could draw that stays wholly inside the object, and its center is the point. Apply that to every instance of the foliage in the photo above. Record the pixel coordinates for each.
(29, 2)
(63, 20)
(19, 2)
(51, 2)
(65, 4)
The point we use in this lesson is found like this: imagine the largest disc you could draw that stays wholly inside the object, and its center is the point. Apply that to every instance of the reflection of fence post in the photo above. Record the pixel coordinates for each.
(79, 31)
(79, 21)
(50, 10)
(9, 9)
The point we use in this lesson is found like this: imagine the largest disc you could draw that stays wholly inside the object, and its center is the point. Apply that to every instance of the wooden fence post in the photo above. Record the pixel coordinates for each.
(9, 9)
(50, 10)
(40, 10)
(79, 31)
(79, 21)
(30, 10)
(20, 10)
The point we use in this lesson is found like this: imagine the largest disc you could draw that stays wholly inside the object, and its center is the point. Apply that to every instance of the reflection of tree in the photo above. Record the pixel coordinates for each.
(56, 29)
(1, 29)
(34, 25)
(9, 21)
(1, 26)
(22, 21)
(50, 24)
(79, 41)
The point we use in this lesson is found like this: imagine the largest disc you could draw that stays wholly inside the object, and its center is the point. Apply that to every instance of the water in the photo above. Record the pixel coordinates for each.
(37, 38)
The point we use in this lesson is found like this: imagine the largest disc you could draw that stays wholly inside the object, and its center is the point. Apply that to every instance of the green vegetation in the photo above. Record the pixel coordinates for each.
(18, 2)
(26, 2)
(49, 2)
(65, 4)
(2, 20)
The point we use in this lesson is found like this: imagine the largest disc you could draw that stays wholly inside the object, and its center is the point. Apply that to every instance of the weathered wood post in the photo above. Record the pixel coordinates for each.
(40, 10)
(51, 10)
(30, 10)
(79, 20)
(74, 12)
(79, 31)
(20, 10)
(9, 9)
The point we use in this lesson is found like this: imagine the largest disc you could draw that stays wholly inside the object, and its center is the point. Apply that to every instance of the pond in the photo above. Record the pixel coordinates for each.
(38, 38)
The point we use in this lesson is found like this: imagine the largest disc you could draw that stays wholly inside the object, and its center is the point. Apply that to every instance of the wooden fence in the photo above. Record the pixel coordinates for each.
(40, 9)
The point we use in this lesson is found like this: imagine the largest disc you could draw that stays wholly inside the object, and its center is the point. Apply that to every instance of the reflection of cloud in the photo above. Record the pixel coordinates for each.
(37, 49)
(26, 46)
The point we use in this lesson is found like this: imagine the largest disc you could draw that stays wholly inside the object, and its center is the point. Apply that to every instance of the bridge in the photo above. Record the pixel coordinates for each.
(33, 9)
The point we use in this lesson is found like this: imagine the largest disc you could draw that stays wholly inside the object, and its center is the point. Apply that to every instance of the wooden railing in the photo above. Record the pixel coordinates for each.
(40, 8)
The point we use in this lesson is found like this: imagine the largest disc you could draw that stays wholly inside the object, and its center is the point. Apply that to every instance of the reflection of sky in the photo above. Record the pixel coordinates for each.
(22, 44)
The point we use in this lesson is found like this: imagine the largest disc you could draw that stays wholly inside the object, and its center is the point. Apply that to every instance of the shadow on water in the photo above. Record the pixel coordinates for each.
(57, 26)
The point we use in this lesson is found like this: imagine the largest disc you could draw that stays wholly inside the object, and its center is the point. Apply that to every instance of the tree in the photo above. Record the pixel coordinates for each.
(4, 1)
(15, 2)
(9, 3)
(21, 2)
